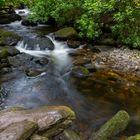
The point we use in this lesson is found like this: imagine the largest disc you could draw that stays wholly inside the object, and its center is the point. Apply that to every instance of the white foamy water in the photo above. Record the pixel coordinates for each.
(22, 12)
(60, 52)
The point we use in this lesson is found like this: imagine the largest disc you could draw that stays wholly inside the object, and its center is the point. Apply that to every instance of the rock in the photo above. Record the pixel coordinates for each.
(5, 70)
(80, 60)
(14, 17)
(66, 33)
(33, 73)
(27, 22)
(8, 18)
(38, 137)
(39, 43)
(51, 21)
(8, 38)
(112, 127)
(137, 137)
(108, 41)
(21, 12)
(73, 44)
(70, 135)
(91, 67)
(3, 53)
(79, 72)
(50, 119)
(18, 131)
(101, 48)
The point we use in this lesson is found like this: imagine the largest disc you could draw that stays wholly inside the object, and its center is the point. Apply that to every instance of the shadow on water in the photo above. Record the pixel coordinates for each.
(56, 87)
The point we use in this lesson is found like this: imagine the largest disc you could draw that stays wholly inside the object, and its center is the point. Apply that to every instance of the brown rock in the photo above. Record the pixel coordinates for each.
(18, 131)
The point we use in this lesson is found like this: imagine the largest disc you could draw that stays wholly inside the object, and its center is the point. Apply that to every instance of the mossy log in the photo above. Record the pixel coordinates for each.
(112, 127)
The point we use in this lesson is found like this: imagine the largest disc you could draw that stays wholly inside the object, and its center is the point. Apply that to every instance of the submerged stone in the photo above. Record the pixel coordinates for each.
(79, 72)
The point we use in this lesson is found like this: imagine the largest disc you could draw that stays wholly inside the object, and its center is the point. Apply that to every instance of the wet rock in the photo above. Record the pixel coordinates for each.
(112, 127)
(19, 131)
(80, 60)
(100, 48)
(33, 72)
(48, 118)
(73, 44)
(70, 135)
(108, 41)
(8, 38)
(66, 33)
(39, 43)
(14, 17)
(137, 137)
(3, 53)
(79, 72)
(42, 61)
(91, 67)
(8, 18)
(38, 137)
(27, 22)
(21, 12)
(5, 70)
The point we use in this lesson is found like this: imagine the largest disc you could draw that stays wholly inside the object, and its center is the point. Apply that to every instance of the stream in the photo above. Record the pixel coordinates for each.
(54, 85)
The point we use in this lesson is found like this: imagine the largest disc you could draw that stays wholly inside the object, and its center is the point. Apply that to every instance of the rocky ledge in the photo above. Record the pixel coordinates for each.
(35, 124)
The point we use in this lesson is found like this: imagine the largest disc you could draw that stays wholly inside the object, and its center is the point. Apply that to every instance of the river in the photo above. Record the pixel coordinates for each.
(54, 86)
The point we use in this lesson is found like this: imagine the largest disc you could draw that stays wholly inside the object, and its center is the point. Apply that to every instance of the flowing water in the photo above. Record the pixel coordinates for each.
(54, 86)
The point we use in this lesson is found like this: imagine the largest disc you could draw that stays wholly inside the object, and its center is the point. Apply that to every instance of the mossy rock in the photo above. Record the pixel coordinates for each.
(38, 137)
(66, 33)
(108, 41)
(8, 38)
(137, 137)
(80, 72)
(3, 53)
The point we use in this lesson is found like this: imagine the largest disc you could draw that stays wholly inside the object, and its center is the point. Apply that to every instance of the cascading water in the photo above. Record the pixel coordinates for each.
(60, 52)
(22, 12)
(54, 86)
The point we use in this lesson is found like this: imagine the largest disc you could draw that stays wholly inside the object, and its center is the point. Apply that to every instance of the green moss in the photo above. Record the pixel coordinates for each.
(137, 137)
(7, 36)
(67, 32)
(3, 53)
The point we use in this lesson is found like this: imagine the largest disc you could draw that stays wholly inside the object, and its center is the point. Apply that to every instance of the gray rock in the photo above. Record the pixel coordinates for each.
(18, 131)
(48, 118)
(38, 137)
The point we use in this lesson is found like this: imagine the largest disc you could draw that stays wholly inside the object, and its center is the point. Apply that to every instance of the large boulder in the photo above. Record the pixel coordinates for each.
(8, 38)
(27, 22)
(66, 33)
(51, 120)
(8, 18)
(40, 42)
(18, 131)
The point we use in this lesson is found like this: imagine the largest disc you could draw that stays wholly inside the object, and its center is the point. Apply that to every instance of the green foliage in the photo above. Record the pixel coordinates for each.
(13, 2)
(60, 10)
(125, 17)
(87, 16)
